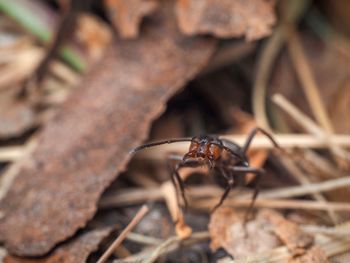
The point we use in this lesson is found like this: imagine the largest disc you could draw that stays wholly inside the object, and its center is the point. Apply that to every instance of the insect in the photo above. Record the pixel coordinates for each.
(225, 156)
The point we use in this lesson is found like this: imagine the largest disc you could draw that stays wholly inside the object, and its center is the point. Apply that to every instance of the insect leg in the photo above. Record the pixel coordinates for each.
(253, 134)
(230, 185)
(176, 178)
(181, 183)
(258, 172)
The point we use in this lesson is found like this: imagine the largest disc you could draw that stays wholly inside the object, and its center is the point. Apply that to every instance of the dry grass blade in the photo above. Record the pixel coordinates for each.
(137, 218)
(207, 204)
(307, 79)
(11, 153)
(9, 175)
(311, 127)
(267, 57)
(308, 124)
(137, 196)
(131, 197)
(306, 189)
(173, 243)
(172, 201)
(310, 88)
(142, 239)
(294, 9)
(170, 196)
(304, 180)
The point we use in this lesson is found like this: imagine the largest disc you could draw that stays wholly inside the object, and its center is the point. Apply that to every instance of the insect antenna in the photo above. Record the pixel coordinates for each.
(152, 144)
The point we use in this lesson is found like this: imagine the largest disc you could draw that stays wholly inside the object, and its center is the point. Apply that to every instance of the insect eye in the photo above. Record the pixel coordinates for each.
(194, 146)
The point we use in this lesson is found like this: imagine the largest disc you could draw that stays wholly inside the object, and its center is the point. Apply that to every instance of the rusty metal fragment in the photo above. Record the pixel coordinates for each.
(127, 15)
(75, 251)
(82, 149)
(226, 18)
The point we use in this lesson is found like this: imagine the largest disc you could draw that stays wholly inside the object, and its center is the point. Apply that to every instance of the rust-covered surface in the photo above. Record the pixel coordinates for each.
(74, 251)
(226, 18)
(126, 15)
(84, 147)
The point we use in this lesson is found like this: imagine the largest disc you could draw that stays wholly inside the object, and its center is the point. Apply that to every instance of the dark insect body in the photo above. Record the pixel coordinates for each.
(225, 156)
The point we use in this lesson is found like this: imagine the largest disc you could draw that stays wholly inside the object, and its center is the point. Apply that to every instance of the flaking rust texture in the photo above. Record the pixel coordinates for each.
(82, 149)
(74, 251)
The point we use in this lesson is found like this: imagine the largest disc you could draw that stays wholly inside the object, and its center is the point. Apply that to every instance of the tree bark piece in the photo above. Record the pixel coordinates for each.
(84, 147)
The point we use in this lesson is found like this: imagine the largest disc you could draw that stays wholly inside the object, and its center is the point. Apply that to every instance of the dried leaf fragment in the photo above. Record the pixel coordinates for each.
(75, 251)
(127, 15)
(226, 18)
(290, 233)
(84, 147)
(92, 35)
(226, 230)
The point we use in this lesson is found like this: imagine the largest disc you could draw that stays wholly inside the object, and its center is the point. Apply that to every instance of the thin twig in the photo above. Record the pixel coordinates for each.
(173, 243)
(304, 180)
(10, 153)
(306, 189)
(318, 165)
(171, 199)
(310, 126)
(136, 196)
(140, 214)
(131, 196)
(151, 254)
(10, 174)
(142, 239)
(302, 119)
(207, 204)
